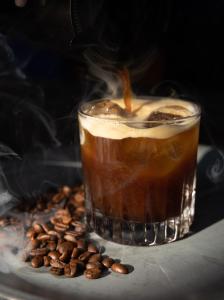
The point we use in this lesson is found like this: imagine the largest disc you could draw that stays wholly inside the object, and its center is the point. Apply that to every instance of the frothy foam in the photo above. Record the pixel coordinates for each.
(119, 126)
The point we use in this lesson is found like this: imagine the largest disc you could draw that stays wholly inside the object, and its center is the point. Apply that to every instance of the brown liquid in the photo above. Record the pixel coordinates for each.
(124, 75)
(140, 179)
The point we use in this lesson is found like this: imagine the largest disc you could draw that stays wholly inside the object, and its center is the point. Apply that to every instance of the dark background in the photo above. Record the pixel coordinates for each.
(175, 46)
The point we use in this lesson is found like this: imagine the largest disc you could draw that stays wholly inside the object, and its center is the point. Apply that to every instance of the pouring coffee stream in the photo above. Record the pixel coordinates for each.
(127, 94)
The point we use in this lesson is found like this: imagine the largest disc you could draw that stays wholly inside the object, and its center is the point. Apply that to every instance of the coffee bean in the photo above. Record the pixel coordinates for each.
(56, 271)
(43, 237)
(95, 257)
(70, 238)
(92, 273)
(92, 248)
(91, 265)
(37, 261)
(79, 263)
(34, 244)
(31, 234)
(75, 253)
(47, 260)
(38, 228)
(80, 211)
(70, 270)
(107, 262)
(65, 257)
(54, 233)
(60, 229)
(38, 251)
(66, 220)
(46, 228)
(75, 233)
(58, 198)
(65, 190)
(62, 212)
(53, 238)
(57, 263)
(66, 247)
(85, 256)
(119, 268)
(79, 198)
(54, 255)
(54, 220)
(51, 245)
(43, 244)
(81, 244)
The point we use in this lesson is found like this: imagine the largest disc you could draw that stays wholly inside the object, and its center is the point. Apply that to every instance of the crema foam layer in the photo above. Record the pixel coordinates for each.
(114, 126)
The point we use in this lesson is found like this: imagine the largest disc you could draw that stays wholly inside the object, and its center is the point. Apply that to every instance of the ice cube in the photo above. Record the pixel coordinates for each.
(106, 107)
(161, 116)
(172, 112)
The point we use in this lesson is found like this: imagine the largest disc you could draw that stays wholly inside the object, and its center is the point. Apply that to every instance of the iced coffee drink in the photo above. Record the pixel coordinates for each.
(139, 168)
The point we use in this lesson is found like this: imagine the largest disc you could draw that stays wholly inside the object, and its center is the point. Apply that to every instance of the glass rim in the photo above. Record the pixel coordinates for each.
(197, 113)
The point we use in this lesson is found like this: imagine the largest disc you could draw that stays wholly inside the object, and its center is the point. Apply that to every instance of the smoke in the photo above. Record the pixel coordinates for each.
(104, 71)
(108, 84)
(215, 170)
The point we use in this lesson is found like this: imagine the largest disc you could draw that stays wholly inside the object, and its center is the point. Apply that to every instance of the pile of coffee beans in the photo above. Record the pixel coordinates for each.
(61, 243)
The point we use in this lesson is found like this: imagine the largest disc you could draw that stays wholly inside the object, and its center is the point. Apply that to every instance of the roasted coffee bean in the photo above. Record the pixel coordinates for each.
(66, 220)
(56, 271)
(75, 253)
(79, 198)
(54, 220)
(79, 263)
(54, 233)
(54, 255)
(43, 244)
(91, 265)
(85, 256)
(43, 237)
(38, 228)
(38, 251)
(65, 257)
(62, 212)
(53, 238)
(58, 198)
(92, 248)
(70, 238)
(119, 268)
(34, 244)
(78, 224)
(74, 233)
(92, 273)
(57, 263)
(66, 247)
(70, 270)
(65, 190)
(37, 261)
(107, 262)
(31, 234)
(81, 244)
(60, 227)
(47, 260)
(95, 257)
(80, 211)
(51, 245)
(46, 228)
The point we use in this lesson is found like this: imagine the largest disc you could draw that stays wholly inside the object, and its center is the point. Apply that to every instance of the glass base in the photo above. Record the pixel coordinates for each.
(140, 234)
